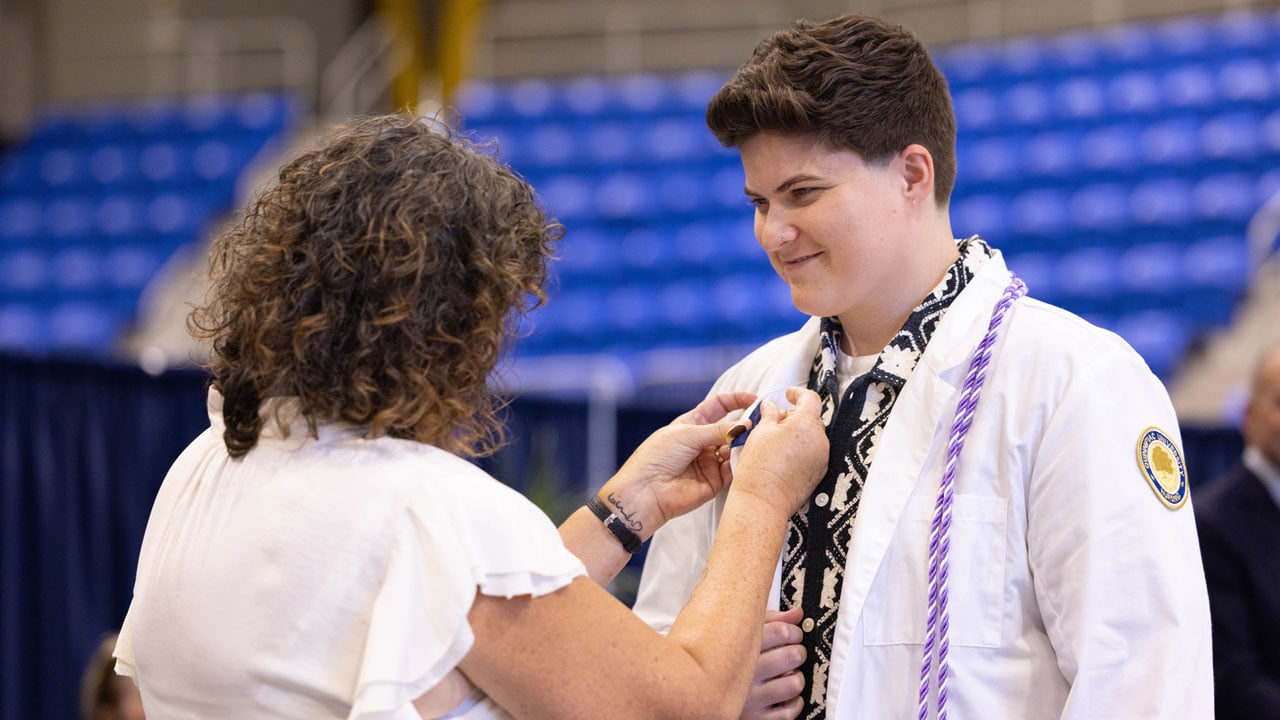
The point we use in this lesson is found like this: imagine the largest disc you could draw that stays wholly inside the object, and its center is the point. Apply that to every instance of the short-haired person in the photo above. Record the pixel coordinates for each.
(1004, 528)
(1239, 520)
(324, 550)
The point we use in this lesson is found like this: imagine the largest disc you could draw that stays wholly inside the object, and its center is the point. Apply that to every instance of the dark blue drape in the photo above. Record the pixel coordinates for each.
(84, 447)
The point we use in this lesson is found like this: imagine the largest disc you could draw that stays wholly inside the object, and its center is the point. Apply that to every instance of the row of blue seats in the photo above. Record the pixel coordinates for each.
(746, 309)
(1081, 100)
(74, 326)
(1186, 39)
(262, 114)
(1113, 143)
(704, 253)
(109, 220)
(1127, 149)
(109, 167)
(1243, 41)
(1156, 205)
(1023, 203)
(34, 273)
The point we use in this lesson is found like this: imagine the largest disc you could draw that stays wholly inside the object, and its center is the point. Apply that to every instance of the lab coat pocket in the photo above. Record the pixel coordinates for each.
(897, 604)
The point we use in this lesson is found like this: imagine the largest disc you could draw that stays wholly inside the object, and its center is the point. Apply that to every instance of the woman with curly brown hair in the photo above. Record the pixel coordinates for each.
(324, 550)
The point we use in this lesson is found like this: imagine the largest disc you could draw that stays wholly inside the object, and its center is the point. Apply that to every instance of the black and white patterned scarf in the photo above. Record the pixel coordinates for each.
(818, 537)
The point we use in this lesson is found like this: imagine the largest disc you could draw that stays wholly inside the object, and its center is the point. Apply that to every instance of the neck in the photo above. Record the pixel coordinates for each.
(868, 329)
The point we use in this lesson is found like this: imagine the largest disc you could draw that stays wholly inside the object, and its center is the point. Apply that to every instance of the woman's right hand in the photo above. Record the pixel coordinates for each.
(785, 456)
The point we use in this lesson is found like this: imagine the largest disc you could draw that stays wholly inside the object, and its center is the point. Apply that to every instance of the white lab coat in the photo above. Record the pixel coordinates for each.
(1075, 592)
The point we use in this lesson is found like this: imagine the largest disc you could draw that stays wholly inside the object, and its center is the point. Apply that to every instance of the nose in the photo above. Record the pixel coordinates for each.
(773, 229)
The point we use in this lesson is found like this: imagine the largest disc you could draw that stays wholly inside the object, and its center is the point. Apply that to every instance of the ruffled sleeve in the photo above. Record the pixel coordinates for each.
(472, 534)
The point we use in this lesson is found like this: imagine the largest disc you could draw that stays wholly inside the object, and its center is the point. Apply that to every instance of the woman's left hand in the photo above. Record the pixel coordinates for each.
(677, 468)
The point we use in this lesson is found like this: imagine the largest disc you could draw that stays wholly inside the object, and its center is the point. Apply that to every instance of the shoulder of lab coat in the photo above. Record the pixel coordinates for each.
(1117, 573)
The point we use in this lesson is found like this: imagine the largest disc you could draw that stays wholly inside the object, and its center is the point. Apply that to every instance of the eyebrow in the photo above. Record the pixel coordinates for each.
(786, 184)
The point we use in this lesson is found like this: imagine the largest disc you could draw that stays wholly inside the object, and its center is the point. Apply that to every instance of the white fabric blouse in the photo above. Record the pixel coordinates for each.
(323, 577)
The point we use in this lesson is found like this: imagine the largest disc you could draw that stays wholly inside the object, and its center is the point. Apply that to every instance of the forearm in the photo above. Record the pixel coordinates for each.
(602, 554)
(720, 627)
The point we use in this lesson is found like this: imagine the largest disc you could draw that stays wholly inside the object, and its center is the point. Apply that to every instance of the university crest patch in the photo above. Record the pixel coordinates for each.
(1162, 466)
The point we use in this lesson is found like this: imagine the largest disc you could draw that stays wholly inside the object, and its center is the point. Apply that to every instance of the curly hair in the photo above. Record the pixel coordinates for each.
(854, 82)
(379, 281)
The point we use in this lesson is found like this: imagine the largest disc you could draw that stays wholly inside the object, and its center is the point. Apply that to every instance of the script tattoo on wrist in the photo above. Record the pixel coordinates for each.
(620, 511)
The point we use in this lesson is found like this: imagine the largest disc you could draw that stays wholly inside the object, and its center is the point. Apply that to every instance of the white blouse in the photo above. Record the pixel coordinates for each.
(325, 577)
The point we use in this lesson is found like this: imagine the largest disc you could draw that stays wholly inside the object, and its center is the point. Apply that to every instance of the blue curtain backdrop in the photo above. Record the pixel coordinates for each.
(84, 447)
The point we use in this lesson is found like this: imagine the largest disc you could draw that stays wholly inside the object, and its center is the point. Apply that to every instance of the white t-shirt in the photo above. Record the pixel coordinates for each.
(325, 577)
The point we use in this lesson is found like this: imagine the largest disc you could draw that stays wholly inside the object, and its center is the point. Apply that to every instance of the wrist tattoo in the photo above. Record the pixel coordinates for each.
(620, 511)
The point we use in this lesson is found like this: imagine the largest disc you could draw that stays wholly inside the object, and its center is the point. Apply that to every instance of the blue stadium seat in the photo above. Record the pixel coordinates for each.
(76, 270)
(1102, 208)
(130, 267)
(21, 219)
(977, 109)
(1089, 273)
(986, 215)
(68, 219)
(682, 306)
(588, 252)
(1026, 104)
(990, 161)
(1248, 81)
(727, 185)
(691, 91)
(1231, 139)
(1134, 92)
(551, 144)
(1110, 150)
(1217, 262)
(676, 139)
(1080, 98)
(585, 96)
(83, 326)
(119, 217)
(648, 252)
(1226, 198)
(1188, 87)
(624, 195)
(642, 94)
(1172, 142)
(610, 142)
(1040, 217)
(1163, 202)
(1152, 269)
(23, 327)
(1052, 154)
(682, 192)
(23, 273)
(567, 197)
(966, 65)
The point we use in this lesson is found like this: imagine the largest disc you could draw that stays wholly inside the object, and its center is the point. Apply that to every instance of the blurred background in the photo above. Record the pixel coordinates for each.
(1124, 154)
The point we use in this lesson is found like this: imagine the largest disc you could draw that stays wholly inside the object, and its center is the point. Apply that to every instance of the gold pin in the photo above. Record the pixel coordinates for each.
(734, 432)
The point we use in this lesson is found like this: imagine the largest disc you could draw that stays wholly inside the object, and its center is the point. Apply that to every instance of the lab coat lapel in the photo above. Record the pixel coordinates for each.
(917, 428)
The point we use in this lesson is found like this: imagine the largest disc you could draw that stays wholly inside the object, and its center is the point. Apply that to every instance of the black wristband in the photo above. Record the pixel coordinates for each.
(616, 525)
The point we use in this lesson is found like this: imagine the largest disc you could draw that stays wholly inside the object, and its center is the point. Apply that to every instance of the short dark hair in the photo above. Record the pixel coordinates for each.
(855, 83)
(378, 282)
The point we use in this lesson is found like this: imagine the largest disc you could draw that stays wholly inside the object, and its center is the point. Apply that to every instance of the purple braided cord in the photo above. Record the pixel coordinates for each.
(938, 624)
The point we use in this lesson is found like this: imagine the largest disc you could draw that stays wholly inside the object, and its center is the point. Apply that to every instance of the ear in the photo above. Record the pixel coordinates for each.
(917, 173)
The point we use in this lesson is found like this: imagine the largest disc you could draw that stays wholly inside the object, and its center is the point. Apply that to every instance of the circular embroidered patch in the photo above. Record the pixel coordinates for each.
(1162, 466)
